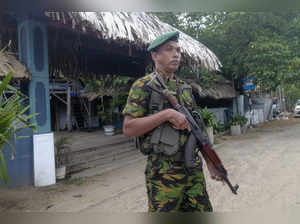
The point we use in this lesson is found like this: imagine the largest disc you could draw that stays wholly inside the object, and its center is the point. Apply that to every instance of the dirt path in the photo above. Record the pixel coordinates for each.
(265, 163)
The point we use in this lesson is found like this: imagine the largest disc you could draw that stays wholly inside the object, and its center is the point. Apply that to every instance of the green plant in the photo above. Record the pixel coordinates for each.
(219, 127)
(112, 86)
(238, 120)
(13, 119)
(75, 181)
(120, 101)
(202, 77)
(62, 150)
(208, 117)
(107, 85)
(106, 111)
(111, 109)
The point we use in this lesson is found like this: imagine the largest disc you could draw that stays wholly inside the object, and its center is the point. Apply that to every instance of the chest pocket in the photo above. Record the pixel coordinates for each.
(164, 139)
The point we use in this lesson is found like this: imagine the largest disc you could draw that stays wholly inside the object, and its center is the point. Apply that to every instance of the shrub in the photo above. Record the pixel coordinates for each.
(208, 118)
(62, 150)
(238, 120)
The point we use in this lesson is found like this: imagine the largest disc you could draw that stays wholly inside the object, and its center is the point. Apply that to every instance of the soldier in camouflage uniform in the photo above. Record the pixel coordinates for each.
(170, 187)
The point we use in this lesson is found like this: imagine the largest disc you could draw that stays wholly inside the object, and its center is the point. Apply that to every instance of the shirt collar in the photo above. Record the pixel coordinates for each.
(165, 78)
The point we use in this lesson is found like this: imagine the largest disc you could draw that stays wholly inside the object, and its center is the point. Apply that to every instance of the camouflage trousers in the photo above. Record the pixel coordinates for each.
(171, 188)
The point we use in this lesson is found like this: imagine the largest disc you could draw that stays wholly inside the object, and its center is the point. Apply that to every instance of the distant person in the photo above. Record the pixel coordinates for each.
(275, 110)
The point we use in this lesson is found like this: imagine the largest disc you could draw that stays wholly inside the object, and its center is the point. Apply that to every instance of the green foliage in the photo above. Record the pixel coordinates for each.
(208, 118)
(293, 93)
(111, 110)
(168, 17)
(238, 120)
(62, 147)
(270, 62)
(263, 45)
(120, 101)
(113, 86)
(107, 85)
(75, 181)
(106, 111)
(13, 119)
(219, 127)
(209, 121)
(203, 77)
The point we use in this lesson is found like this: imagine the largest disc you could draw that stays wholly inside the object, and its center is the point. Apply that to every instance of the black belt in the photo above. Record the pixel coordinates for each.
(177, 159)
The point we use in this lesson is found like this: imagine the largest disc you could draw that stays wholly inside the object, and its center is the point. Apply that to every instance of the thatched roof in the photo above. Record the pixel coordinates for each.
(136, 29)
(219, 90)
(9, 63)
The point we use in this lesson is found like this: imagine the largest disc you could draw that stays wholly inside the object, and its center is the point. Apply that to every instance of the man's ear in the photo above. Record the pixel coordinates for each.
(153, 55)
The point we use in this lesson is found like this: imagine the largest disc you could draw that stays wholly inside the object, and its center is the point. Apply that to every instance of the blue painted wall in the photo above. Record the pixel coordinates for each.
(20, 169)
(33, 52)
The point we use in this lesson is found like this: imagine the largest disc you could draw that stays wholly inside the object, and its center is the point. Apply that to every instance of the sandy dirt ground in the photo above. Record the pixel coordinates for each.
(265, 162)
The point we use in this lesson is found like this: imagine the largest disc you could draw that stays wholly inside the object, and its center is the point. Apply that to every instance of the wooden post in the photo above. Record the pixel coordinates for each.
(90, 114)
(57, 120)
(279, 93)
(69, 117)
(1, 41)
(283, 99)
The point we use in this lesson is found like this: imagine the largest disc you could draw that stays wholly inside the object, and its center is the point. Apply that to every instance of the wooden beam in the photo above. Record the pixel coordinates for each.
(62, 100)
(69, 114)
(90, 114)
(57, 123)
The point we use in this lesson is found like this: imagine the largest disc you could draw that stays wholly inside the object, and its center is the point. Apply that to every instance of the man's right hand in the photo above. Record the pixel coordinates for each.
(138, 126)
(178, 120)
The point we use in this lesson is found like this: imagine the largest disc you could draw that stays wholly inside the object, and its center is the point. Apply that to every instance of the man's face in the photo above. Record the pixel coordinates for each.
(167, 57)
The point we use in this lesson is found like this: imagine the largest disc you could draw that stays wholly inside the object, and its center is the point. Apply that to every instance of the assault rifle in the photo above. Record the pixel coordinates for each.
(196, 137)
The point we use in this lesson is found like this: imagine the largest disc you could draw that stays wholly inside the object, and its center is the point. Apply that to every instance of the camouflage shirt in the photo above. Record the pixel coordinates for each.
(139, 98)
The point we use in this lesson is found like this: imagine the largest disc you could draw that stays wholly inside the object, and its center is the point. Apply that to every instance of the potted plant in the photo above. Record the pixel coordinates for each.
(62, 153)
(210, 122)
(236, 122)
(113, 87)
(106, 113)
(120, 102)
(243, 123)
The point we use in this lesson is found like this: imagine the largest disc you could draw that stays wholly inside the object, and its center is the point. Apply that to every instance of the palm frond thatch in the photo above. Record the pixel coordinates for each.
(9, 63)
(217, 91)
(135, 29)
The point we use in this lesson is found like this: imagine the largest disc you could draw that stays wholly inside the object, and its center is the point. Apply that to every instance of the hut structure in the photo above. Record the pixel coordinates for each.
(78, 45)
(213, 96)
(90, 38)
(9, 63)
(219, 98)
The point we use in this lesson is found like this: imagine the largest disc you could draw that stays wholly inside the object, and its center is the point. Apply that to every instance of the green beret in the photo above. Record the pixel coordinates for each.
(174, 35)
